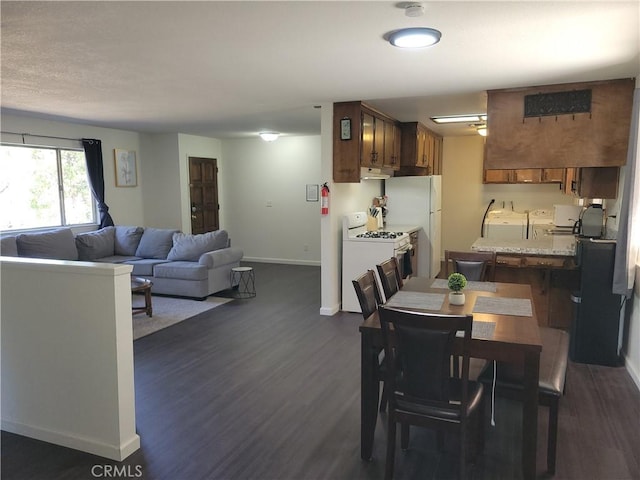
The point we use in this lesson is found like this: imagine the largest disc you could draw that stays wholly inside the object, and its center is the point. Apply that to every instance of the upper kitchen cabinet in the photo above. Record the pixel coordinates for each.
(362, 137)
(596, 182)
(559, 126)
(392, 145)
(524, 175)
(421, 150)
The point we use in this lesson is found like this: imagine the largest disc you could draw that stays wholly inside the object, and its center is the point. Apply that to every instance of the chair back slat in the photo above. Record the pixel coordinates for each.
(390, 277)
(367, 292)
(424, 362)
(475, 266)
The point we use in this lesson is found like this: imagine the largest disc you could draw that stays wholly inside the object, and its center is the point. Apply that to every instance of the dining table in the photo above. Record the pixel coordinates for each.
(505, 329)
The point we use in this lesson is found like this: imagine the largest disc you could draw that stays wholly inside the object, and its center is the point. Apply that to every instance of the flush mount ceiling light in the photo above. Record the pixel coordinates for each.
(470, 118)
(414, 37)
(269, 136)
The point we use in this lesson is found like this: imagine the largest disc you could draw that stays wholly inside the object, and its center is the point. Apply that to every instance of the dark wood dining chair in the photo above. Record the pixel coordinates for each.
(390, 277)
(553, 370)
(475, 266)
(424, 393)
(368, 294)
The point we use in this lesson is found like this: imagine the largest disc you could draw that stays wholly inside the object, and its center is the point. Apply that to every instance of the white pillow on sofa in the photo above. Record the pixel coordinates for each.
(188, 247)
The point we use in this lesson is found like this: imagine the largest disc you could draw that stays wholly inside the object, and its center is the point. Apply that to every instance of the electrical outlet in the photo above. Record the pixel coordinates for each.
(269, 203)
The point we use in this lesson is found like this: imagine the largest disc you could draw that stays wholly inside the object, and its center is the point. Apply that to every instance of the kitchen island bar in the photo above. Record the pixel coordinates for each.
(547, 264)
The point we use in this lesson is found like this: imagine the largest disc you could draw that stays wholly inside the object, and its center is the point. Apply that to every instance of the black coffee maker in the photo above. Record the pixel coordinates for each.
(591, 222)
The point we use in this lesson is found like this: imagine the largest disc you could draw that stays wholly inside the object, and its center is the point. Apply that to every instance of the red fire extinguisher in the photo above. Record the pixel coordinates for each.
(324, 199)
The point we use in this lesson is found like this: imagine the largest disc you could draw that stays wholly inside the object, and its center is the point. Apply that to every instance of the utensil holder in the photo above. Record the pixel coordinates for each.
(372, 224)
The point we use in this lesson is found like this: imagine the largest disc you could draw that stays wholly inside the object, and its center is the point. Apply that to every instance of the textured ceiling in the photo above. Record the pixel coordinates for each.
(230, 69)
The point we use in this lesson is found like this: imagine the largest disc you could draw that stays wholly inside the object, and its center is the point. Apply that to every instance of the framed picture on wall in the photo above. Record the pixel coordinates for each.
(126, 168)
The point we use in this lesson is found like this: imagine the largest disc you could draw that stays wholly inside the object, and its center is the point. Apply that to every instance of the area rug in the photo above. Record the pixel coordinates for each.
(168, 311)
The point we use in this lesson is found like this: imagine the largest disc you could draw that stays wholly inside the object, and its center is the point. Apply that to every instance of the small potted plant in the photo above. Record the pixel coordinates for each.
(456, 283)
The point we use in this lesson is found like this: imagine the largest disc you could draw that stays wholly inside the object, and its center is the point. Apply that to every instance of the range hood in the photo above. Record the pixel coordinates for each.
(375, 173)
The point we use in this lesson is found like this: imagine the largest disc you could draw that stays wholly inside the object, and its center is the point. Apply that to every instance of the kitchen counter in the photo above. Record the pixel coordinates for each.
(402, 228)
(553, 245)
(547, 264)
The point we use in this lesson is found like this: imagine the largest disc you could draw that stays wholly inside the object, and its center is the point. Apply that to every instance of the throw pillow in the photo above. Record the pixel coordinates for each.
(57, 244)
(8, 247)
(97, 244)
(155, 243)
(127, 240)
(187, 247)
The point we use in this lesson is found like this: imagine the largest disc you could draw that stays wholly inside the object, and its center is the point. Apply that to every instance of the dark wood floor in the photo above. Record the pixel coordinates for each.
(267, 388)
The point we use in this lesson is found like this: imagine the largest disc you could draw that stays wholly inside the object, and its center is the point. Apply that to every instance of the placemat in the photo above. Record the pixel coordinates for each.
(471, 285)
(503, 306)
(425, 301)
(481, 330)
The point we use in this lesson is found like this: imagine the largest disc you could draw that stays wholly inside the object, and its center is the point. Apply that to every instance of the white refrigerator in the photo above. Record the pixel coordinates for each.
(418, 201)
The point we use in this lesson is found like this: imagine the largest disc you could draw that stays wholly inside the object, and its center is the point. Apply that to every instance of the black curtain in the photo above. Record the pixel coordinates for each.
(93, 156)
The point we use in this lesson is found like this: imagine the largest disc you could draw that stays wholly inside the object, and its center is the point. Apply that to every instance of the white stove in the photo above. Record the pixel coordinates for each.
(354, 228)
(362, 250)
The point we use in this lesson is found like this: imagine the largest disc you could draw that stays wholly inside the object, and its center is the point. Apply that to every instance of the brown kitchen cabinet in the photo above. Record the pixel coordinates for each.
(368, 148)
(524, 175)
(367, 145)
(421, 150)
(552, 279)
(437, 153)
(392, 144)
(595, 182)
(552, 175)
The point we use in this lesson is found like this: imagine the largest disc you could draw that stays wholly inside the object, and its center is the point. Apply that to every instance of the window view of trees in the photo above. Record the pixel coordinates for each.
(43, 187)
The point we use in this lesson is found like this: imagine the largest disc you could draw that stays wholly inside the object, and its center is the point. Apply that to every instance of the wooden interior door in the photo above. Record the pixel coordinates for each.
(203, 187)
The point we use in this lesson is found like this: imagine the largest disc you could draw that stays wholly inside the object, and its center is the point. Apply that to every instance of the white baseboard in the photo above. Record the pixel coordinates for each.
(69, 440)
(633, 371)
(329, 311)
(286, 261)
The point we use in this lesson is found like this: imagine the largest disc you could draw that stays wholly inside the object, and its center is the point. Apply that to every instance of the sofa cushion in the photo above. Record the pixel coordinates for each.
(57, 244)
(127, 240)
(8, 247)
(221, 258)
(155, 243)
(145, 266)
(97, 244)
(181, 271)
(190, 247)
(117, 259)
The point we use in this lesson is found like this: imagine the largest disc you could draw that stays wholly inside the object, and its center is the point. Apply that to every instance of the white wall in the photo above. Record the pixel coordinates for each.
(161, 187)
(125, 203)
(465, 197)
(67, 354)
(631, 346)
(266, 212)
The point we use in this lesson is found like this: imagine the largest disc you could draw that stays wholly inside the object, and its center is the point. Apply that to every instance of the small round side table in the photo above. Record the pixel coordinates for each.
(142, 285)
(246, 281)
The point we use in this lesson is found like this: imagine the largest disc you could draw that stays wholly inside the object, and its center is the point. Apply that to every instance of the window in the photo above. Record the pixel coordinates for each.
(44, 187)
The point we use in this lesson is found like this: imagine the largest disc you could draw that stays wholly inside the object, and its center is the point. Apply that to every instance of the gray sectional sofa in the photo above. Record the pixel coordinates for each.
(178, 264)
